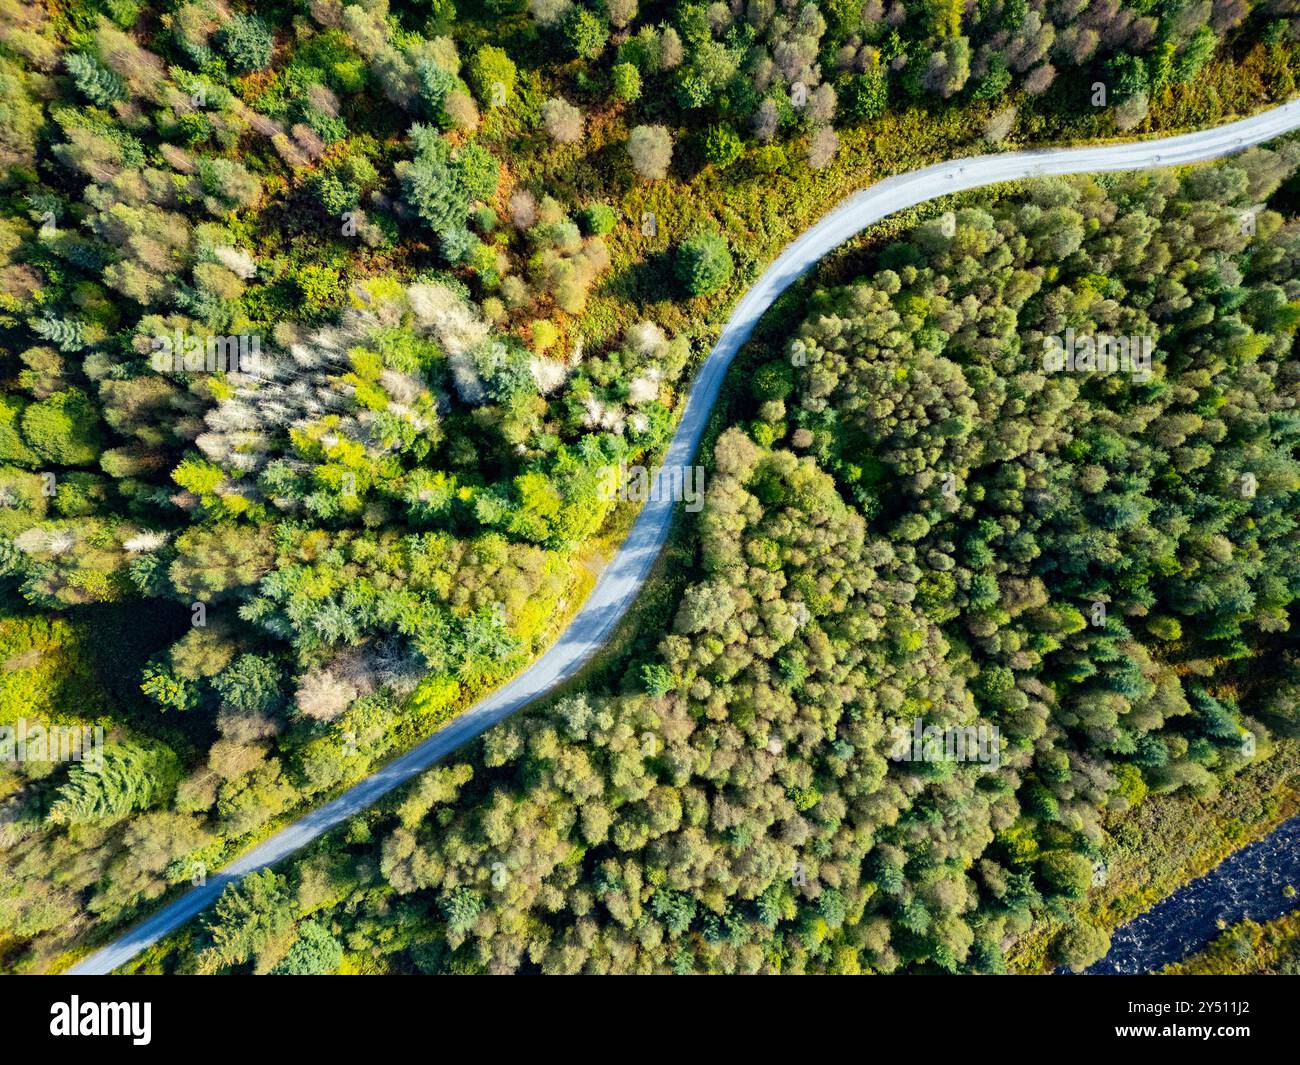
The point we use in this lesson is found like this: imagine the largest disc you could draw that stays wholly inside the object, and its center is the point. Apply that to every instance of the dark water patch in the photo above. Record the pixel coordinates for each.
(1248, 883)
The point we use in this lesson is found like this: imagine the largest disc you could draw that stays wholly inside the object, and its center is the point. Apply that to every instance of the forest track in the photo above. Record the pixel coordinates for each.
(621, 580)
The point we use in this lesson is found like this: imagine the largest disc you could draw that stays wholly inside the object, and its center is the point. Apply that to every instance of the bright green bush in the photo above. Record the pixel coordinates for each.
(626, 80)
(703, 264)
(722, 146)
(478, 171)
(597, 219)
(492, 67)
(584, 32)
(64, 429)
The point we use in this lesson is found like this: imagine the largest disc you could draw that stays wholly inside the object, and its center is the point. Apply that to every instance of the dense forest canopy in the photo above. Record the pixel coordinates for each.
(1092, 581)
(323, 324)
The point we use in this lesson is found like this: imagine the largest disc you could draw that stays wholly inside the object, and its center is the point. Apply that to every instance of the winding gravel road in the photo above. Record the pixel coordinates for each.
(620, 581)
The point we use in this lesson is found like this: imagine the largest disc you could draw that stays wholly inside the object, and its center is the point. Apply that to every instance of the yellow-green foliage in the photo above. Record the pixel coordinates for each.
(23, 500)
(432, 700)
(1247, 949)
(44, 674)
